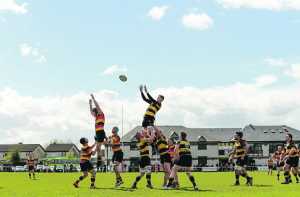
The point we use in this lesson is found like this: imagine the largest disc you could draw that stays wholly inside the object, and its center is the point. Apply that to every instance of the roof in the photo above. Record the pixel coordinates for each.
(19, 147)
(251, 133)
(60, 147)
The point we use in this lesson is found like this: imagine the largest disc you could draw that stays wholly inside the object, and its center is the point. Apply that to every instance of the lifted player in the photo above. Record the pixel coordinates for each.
(85, 163)
(240, 154)
(99, 116)
(117, 158)
(31, 165)
(145, 162)
(184, 163)
(153, 108)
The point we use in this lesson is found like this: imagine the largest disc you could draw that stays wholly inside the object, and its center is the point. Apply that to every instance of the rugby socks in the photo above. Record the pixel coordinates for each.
(192, 179)
(148, 177)
(287, 177)
(30, 175)
(237, 179)
(170, 183)
(93, 182)
(137, 179)
(297, 179)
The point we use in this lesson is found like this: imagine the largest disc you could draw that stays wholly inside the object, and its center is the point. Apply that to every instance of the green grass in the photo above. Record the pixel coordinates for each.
(211, 185)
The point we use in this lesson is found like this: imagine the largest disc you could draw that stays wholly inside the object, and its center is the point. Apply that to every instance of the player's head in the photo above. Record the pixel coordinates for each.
(183, 135)
(83, 141)
(95, 111)
(289, 137)
(115, 130)
(238, 135)
(160, 98)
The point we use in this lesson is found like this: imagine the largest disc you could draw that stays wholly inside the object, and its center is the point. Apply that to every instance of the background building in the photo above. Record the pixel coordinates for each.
(210, 146)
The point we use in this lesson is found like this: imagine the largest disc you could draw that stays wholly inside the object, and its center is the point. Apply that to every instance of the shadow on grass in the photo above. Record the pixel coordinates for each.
(252, 186)
(187, 189)
(116, 189)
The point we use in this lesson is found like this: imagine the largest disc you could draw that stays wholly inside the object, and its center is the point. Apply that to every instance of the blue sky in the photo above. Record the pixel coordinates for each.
(220, 63)
(81, 39)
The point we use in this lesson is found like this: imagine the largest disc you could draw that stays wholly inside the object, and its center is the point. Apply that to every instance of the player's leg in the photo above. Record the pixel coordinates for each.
(93, 177)
(244, 174)
(172, 175)
(138, 178)
(287, 175)
(81, 178)
(191, 177)
(167, 171)
(237, 175)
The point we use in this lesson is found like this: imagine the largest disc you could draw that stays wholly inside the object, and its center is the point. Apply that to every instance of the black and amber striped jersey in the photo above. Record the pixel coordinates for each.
(115, 143)
(143, 146)
(99, 123)
(162, 146)
(86, 153)
(240, 148)
(291, 150)
(153, 107)
(184, 147)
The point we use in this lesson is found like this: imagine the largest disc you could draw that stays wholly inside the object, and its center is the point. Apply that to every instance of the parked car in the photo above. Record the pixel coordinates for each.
(20, 169)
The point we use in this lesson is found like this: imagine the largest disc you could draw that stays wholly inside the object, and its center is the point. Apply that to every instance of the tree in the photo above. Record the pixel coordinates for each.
(15, 158)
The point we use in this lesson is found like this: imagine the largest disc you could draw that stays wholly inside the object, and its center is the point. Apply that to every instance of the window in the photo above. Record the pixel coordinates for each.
(202, 161)
(221, 152)
(273, 147)
(256, 149)
(133, 143)
(202, 144)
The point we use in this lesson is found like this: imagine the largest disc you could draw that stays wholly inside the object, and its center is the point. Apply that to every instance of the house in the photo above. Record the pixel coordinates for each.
(23, 149)
(211, 146)
(62, 150)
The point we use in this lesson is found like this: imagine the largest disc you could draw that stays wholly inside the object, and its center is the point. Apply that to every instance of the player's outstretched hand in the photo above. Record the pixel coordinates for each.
(145, 88)
(141, 88)
(92, 96)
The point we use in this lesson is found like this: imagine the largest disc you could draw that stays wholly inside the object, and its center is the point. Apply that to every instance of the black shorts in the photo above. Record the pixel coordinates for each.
(100, 137)
(270, 167)
(166, 158)
(293, 161)
(117, 156)
(148, 121)
(145, 161)
(86, 166)
(184, 161)
(279, 164)
(30, 168)
(241, 162)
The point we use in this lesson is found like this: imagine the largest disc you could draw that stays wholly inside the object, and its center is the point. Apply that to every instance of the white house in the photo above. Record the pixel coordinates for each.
(62, 150)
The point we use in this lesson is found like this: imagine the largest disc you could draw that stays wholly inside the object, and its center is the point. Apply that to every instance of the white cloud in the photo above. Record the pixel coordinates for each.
(276, 62)
(114, 69)
(158, 12)
(13, 6)
(197, 21)
(27, 50)
(274, 5)
(293, 71)
(265, 80)
(40, 119)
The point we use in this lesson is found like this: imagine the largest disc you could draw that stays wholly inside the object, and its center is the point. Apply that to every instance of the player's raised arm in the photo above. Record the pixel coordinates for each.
(143, 95)
(91, 106)
(149, 95)
(97, 105)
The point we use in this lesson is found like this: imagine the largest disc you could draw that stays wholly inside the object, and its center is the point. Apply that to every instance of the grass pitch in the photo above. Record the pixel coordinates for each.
(211, 185)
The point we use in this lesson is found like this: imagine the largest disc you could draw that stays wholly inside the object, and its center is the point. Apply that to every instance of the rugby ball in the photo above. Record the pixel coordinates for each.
(123, 78)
